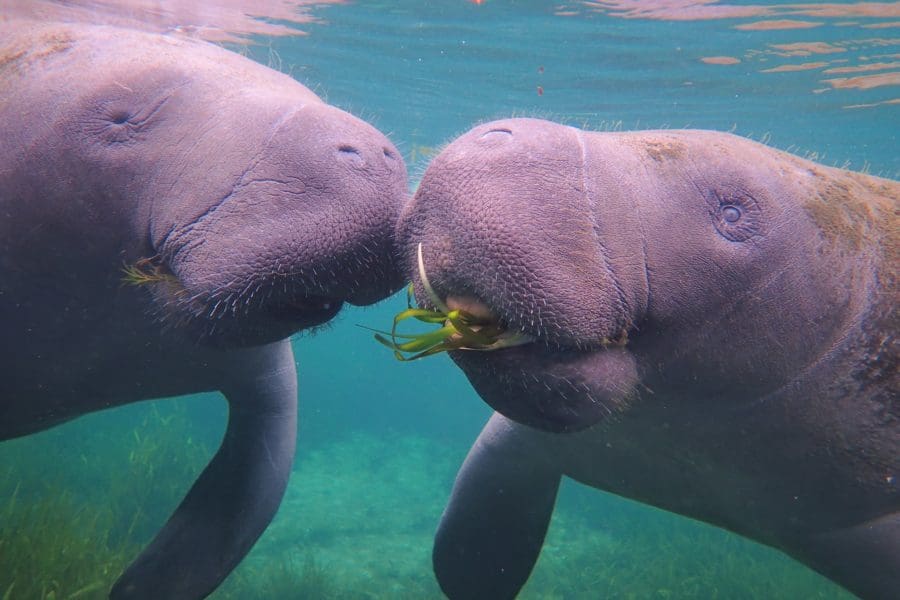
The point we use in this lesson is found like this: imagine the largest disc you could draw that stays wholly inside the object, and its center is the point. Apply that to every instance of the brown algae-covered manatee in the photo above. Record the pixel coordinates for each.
(244, 207)
(686, 318)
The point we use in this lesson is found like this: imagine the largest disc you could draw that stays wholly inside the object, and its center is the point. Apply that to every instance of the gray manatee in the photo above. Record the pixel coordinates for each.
(713, 331)
(246, 207)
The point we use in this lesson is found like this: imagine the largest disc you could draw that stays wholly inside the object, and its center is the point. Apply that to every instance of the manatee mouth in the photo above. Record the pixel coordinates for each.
(553, 389)
(464, 323)
(268, 317)
(525, 378)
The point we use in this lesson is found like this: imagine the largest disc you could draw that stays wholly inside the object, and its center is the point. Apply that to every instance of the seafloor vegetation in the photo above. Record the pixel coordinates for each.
(78, 502)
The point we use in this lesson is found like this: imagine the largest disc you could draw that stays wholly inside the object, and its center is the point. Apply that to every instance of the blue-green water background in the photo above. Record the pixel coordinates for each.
(380, 441)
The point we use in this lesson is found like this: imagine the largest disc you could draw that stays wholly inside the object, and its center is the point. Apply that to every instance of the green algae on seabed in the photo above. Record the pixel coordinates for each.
(53, 549)
(363, 508)
(357, 523)
(624, 549)
(459, 329)
(70, 523)
(282, 579)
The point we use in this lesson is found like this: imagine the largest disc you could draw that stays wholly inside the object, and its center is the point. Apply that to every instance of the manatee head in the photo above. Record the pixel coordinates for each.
(305, 226)
(252, 208)
(684, 261)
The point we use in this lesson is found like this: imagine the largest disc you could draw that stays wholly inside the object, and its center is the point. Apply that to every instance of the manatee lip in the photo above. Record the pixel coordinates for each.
(544, 385)
(550, 389)
(472, 306)
(483, 314)
(514, 338)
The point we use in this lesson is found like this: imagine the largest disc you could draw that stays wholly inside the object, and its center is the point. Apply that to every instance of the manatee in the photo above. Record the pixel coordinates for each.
(704, 324)
(244, 208)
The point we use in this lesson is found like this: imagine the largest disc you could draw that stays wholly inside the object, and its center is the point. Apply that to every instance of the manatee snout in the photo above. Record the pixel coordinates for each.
(502, 217)
(506, 225)
(306, 225)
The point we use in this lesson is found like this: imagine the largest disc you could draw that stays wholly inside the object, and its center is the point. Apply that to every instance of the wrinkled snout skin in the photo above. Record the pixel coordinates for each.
(714, 327)
(322, 192)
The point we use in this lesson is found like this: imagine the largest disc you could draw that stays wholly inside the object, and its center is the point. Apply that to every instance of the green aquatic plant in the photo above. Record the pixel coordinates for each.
(282, 578)
(459, 329)
(147, 270)
(51, 549)
(70, 522)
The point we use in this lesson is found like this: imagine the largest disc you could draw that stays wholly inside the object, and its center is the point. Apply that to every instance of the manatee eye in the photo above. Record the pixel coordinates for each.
(736, 214)
(119, 117)
(731, 213)
(112, 124)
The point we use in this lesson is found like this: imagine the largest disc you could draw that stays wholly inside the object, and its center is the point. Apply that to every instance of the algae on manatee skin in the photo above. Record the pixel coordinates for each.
(146, 271)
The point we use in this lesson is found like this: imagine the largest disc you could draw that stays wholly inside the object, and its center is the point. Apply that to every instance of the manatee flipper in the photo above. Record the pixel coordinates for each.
(238, 493)
(493, 528)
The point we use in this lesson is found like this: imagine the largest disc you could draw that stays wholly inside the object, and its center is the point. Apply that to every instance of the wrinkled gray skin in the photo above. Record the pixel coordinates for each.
(757, 389)
(267, 206)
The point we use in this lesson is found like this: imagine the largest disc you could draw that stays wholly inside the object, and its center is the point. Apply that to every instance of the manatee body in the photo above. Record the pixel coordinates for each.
(249, 208)
(714, 333)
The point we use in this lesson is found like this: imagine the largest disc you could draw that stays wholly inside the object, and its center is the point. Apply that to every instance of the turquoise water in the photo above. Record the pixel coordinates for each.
(380, 441)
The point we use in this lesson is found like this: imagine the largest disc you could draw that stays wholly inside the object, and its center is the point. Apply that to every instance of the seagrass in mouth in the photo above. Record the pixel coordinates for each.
(458, 329)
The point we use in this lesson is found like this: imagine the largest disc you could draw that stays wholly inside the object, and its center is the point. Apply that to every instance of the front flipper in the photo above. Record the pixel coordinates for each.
(236, 496)
(492, 530)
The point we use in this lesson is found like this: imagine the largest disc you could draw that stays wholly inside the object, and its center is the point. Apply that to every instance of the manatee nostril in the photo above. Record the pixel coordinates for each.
(388, 154)
(497, 133)
(346, 151)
